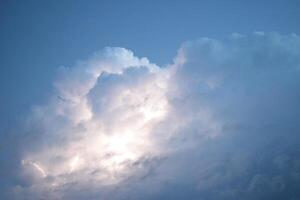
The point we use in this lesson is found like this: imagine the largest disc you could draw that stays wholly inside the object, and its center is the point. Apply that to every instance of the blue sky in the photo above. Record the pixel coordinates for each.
(37, 37)
(212, 83)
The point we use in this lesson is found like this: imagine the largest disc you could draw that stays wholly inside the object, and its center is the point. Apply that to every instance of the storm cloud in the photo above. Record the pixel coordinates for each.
(219, 122)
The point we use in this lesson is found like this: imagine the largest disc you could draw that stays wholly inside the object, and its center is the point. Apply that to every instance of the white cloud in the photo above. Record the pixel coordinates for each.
(118, 122)
(109, 104)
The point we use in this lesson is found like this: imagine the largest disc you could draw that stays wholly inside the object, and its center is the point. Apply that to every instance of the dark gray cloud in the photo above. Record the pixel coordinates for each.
(221, 122)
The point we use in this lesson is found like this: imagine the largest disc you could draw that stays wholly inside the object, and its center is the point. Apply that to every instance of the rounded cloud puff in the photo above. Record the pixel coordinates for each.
(221, 122)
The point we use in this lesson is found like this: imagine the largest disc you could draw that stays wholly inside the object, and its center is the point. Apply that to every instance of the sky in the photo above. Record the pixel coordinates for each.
(149, 99)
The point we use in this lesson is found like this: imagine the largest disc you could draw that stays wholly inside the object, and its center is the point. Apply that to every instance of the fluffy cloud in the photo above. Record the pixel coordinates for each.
(220, 122)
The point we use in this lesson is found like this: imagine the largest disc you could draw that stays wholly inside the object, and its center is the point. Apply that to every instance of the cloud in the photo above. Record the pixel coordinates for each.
(220, 122)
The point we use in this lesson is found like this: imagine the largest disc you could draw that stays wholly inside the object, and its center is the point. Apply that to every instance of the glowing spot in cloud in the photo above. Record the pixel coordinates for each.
(74, 164)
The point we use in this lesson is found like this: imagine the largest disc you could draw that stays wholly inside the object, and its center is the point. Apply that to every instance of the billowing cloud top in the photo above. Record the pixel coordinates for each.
(220, 122)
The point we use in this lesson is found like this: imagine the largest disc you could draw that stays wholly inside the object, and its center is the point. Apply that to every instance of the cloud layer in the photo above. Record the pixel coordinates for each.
(220, 122)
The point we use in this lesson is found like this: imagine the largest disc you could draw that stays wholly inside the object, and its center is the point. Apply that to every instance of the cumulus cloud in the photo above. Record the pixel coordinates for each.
(220, 122)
